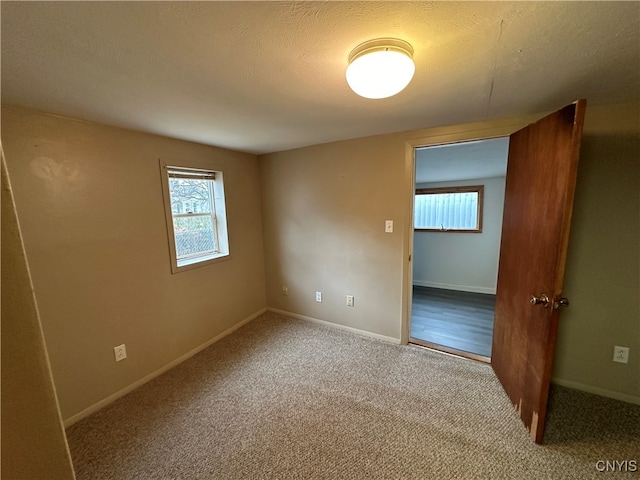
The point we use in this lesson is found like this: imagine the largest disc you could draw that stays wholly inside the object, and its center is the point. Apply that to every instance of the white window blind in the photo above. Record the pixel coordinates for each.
(445, 209)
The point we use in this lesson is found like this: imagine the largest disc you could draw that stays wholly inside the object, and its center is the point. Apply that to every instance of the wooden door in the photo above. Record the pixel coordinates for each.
(541, 178)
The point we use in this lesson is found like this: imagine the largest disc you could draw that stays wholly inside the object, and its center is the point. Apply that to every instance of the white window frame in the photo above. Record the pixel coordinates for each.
(218, 214)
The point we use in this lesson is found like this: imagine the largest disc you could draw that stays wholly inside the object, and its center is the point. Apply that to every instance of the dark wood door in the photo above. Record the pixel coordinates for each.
(541, 178)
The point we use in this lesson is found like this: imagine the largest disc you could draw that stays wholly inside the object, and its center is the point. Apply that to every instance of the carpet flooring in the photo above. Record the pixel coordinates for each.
(286, 399)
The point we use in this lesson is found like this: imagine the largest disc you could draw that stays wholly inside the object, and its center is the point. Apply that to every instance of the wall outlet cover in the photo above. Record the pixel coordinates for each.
(621, 354)
(120, 352)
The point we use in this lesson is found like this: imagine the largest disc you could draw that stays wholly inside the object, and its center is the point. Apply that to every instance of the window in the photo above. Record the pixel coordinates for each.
(195, 214)
(449, 209)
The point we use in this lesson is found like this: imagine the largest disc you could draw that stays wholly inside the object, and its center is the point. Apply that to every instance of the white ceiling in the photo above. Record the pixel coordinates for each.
(462, 161)
(269, 76)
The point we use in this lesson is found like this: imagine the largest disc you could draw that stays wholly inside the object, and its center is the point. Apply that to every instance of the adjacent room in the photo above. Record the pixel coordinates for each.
(218, 256)
(456, 244)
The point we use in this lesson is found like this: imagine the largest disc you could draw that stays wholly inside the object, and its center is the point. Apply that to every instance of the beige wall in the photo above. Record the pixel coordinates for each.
(33, 440)
(89, 200)
(603, 270)
(324, 209)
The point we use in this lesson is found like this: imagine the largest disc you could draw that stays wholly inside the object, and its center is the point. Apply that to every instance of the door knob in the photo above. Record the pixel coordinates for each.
(562, 302)
(541, 300)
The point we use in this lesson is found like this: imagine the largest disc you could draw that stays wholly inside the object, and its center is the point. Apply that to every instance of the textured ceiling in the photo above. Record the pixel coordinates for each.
(269, 76)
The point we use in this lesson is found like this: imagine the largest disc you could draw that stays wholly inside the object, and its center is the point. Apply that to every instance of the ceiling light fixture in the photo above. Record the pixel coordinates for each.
(380, 68)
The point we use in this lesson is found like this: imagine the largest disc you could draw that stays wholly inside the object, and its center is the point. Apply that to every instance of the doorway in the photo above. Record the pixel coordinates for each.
(456, 245)
(541, 177)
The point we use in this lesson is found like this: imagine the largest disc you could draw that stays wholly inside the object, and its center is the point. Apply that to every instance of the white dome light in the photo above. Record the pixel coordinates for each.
(380, 68)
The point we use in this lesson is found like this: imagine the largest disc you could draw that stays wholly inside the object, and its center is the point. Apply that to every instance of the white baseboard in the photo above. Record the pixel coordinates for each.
(460, 288)
(357, 331)
(597, 391)
(121, 393)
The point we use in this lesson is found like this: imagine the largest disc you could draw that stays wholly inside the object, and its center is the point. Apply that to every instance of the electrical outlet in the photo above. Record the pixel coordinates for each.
(349, 300)
(621, 354)
(120, 352)
(285, 290)
(319, 297)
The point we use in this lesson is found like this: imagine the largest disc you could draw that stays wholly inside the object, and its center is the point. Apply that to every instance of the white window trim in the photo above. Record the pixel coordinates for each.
(219, 216)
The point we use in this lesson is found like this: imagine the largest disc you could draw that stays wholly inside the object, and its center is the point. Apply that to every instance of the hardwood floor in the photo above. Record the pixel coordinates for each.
(458, 320)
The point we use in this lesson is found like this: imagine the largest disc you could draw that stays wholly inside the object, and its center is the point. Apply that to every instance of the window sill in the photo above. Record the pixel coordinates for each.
(191, 263)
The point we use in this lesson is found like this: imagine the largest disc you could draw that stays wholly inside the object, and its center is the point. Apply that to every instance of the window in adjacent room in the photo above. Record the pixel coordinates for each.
(449, 209)
(196, 217)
